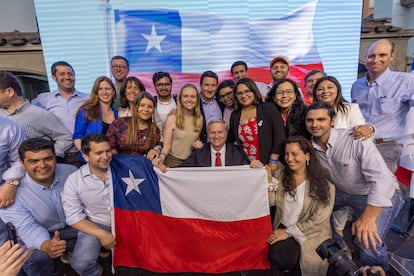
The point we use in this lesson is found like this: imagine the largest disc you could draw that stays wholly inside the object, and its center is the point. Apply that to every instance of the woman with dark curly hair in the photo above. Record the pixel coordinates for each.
(286, 95)
(304, 203)
(129, 93)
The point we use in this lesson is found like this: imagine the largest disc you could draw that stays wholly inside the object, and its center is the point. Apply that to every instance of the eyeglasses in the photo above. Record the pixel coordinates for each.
(243, 93)
(119, 67)
(287, 92)
(163, 84)
(226, 96)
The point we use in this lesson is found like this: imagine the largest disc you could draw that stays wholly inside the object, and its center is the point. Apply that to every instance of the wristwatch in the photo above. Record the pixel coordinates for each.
(13, 182)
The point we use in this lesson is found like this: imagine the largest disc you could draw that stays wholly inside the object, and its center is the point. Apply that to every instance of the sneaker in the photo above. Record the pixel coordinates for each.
(66, 257)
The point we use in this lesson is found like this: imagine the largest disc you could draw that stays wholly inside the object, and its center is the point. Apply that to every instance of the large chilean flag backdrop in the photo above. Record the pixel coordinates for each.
(210, 220)
(187, 43)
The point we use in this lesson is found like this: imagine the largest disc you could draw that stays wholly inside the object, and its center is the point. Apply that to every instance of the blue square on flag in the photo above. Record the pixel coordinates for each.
(150, 39)
(135, 184)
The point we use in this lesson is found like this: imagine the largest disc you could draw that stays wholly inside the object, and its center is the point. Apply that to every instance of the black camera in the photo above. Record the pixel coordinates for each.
(338, 260)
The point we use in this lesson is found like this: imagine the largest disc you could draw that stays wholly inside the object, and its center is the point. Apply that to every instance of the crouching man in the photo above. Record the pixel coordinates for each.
(87, 204)
(37, 212)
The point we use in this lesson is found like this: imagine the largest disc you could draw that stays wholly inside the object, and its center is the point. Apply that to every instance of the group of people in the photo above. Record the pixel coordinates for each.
(325, 156)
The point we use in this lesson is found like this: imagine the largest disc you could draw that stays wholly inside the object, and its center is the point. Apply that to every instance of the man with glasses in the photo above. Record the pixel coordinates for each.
(165, 100)
(226, 99)
(120, 71)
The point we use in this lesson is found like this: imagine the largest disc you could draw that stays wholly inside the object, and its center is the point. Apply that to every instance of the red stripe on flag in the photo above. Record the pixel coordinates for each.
(164, 244)
(403, 175)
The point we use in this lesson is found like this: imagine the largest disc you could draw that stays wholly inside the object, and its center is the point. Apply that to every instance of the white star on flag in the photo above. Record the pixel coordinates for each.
(132, 183)
(154, 40)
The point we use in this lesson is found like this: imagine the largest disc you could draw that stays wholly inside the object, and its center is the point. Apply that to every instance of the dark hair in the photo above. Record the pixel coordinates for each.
(209, 74)
(321, 105)
(159, 75)
(138, 82)
(315, 173)
(224, 84)
(35, 145)
(91, 106)
(251, 85)
(238, 63)
(96, 138)
(339, 103)
(295, 124)
(313, 72)
(7, 80)
(120, 57)
(60, 63)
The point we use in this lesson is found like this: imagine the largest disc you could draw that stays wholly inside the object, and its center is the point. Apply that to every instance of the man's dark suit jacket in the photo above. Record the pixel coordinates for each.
(202, 157)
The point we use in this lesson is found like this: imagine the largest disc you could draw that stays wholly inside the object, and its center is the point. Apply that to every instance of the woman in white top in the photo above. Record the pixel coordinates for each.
(304, 203)
(348, 115)
(129, 93)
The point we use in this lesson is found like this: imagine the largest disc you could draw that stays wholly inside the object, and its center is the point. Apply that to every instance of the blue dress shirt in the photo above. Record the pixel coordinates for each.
(64, 109)
(385, 102)
(37, 210)
(11, 135)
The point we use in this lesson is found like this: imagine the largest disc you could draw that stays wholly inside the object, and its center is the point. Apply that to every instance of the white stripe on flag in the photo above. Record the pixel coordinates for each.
(219, 194)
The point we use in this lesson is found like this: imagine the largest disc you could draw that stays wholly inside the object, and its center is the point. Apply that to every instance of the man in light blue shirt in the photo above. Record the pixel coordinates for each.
(37, 212)
(35, 121)
(362, 180)
(64, 102)
(88, 205)
(209, 105)
(385, 97)
(11, 135)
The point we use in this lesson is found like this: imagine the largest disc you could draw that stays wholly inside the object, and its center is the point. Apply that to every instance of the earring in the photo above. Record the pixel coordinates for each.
(307, 163)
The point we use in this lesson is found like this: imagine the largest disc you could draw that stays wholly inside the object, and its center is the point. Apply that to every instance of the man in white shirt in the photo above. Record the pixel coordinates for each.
(165, 100)
(362, 180)
(87, 204)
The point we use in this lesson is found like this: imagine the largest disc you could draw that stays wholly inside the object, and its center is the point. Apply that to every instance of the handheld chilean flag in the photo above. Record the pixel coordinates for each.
(211, 220)
(186, 43)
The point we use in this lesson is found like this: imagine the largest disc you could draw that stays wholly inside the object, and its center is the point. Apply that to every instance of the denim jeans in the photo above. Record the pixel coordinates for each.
(384, 221)
(85, 254)
(40, 263)
(391, 152)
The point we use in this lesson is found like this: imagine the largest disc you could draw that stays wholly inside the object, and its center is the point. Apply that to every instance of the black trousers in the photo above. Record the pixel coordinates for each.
(284, 256)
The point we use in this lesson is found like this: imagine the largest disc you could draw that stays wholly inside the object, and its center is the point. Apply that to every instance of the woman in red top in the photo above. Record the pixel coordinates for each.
(255, 125)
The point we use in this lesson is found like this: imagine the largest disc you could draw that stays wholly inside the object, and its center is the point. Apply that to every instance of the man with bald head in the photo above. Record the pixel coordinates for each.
(385, 98)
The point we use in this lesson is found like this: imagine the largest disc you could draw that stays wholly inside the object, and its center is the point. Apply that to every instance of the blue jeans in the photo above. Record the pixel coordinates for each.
(85, 254)
(391, 152)
(40, 263)
(384, 221)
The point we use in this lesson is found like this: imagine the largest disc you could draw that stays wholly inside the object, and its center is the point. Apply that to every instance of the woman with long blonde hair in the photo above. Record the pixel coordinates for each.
(182, 130)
